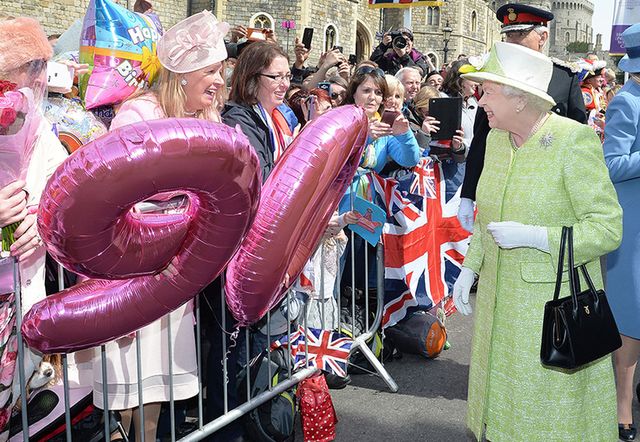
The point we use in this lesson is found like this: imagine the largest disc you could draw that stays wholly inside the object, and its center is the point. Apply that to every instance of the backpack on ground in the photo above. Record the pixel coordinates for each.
(273, 421)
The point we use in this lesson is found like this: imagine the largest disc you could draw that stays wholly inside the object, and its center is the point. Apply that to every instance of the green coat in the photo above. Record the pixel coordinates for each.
(558, 177)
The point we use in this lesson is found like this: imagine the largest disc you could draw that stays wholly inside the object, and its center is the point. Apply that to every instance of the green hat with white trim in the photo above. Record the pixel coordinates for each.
(513, 65)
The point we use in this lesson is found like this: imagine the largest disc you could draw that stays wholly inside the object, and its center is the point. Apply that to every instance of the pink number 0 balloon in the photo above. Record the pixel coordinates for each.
(297, 201)
(85, 219)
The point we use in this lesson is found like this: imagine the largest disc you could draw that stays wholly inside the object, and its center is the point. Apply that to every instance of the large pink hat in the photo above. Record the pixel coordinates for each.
(194, 43)
(22, 40)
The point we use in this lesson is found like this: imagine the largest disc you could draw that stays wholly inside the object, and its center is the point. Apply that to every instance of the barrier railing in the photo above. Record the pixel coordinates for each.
(204, 429)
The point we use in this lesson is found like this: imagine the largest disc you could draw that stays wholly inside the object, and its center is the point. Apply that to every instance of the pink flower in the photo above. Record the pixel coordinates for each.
(12, 100)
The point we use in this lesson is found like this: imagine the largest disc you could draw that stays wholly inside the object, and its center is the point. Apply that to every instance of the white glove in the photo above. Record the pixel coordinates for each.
(461, 290)
(511, 235)
(465, 214)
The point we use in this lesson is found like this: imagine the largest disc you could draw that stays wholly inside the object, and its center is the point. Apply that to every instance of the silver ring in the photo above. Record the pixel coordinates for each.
(465, 303)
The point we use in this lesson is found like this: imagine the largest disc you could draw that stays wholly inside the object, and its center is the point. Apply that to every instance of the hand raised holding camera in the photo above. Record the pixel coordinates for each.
(344, 70)
(332, 58)
(378, 129)
(430, 125)
(457, 142)
(302, 54)
(400, 125)
(386, 39)
(236, 33)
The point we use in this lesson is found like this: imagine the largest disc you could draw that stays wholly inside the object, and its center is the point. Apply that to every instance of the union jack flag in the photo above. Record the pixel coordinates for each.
(328, 350)
(424, 244)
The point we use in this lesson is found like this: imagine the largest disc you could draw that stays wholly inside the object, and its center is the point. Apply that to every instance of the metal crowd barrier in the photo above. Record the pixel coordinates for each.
(207, 428)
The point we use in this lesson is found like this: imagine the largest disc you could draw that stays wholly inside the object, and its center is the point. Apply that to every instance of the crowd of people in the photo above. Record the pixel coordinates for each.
(538, 147)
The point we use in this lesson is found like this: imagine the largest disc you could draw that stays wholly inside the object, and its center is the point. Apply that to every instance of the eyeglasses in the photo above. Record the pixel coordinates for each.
(364, 70)
(279, 78)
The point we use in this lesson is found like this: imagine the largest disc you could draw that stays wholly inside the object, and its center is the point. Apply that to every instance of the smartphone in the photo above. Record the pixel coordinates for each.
(389, 116)
(449, 112)
(307, 36)
(326, 86)
(59, 77)
(340, 48)
(353, 60)
(311, 107)
(256, 34)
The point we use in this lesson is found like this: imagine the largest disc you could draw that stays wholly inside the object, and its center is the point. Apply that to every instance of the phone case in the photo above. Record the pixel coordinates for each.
(389, 117)
(449, 112)
(307, 37)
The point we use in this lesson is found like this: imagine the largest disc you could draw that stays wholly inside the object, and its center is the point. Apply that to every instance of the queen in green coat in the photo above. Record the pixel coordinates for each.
(541, 172)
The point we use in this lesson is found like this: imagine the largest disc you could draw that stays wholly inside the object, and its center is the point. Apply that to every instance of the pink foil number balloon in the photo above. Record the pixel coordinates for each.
(297, 201)
(86, 221)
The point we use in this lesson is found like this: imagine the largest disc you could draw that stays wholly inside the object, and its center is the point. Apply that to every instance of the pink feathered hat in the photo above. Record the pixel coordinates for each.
(22, 40)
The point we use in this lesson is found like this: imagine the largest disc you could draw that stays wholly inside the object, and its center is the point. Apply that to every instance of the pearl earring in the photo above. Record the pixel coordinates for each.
(183, 82)
(518, 110)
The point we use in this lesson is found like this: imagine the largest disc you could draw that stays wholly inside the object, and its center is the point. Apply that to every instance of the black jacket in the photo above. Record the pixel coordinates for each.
(391, 63)
(564, 88)
(255, 129)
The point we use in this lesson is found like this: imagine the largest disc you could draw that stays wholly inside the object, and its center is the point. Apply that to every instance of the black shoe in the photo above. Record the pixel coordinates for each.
(335, 382)
(626, 432)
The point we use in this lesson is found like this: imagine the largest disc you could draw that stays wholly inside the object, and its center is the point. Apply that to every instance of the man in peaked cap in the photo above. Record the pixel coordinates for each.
(527, 26)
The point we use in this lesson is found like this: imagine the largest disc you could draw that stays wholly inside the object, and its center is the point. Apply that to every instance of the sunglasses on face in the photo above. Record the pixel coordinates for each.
(364, 70)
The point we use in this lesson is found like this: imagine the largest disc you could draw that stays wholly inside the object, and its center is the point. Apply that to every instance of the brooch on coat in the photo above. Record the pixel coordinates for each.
(546, 140)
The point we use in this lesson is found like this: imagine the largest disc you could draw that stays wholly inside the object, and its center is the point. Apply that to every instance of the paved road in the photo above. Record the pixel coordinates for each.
(430, 404)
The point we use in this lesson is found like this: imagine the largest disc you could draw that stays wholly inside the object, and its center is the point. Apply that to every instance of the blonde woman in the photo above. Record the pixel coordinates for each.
(395, 94)
(190, 85)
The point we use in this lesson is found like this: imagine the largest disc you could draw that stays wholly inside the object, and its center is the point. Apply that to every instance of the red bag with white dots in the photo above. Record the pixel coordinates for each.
(316, 408)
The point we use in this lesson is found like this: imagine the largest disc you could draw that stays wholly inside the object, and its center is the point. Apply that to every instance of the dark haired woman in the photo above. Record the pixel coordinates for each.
(259, 84)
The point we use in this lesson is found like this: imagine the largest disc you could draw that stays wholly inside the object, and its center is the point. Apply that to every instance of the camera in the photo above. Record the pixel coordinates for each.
(398, 40)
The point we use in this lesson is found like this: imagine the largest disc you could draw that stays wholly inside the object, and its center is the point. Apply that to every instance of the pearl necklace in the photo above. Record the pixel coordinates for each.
(535, 128)
(190, 114)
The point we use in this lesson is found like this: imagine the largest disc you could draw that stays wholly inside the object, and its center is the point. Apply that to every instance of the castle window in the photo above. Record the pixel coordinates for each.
(567, 37)
(474, 21)
(433, 15)
(261, 20)
(330, 37)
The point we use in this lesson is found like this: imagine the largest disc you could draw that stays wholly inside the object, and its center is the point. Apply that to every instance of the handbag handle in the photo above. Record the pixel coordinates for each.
(574, 279)
(563, 246)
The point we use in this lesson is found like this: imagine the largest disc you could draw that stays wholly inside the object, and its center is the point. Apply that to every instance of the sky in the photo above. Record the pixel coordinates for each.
(602, 20)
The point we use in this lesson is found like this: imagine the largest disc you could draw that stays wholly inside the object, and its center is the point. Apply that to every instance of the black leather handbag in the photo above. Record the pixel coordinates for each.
(580, 328)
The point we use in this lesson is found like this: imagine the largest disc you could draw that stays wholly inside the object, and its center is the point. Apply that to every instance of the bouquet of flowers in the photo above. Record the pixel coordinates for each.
(19, 121)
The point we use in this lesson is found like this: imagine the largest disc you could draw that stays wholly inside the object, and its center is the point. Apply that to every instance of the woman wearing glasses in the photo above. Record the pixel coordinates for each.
(259, 83)
(386, 142)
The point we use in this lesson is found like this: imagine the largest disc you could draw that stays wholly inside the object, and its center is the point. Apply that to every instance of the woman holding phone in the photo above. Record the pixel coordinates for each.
(385, 143)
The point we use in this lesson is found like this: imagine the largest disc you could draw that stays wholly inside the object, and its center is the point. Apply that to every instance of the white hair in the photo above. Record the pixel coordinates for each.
(540, 29)
(400, 74)
(531, 100)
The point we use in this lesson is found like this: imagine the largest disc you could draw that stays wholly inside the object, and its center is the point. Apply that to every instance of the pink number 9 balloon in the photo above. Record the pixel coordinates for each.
(297, 201)
(85, 218)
